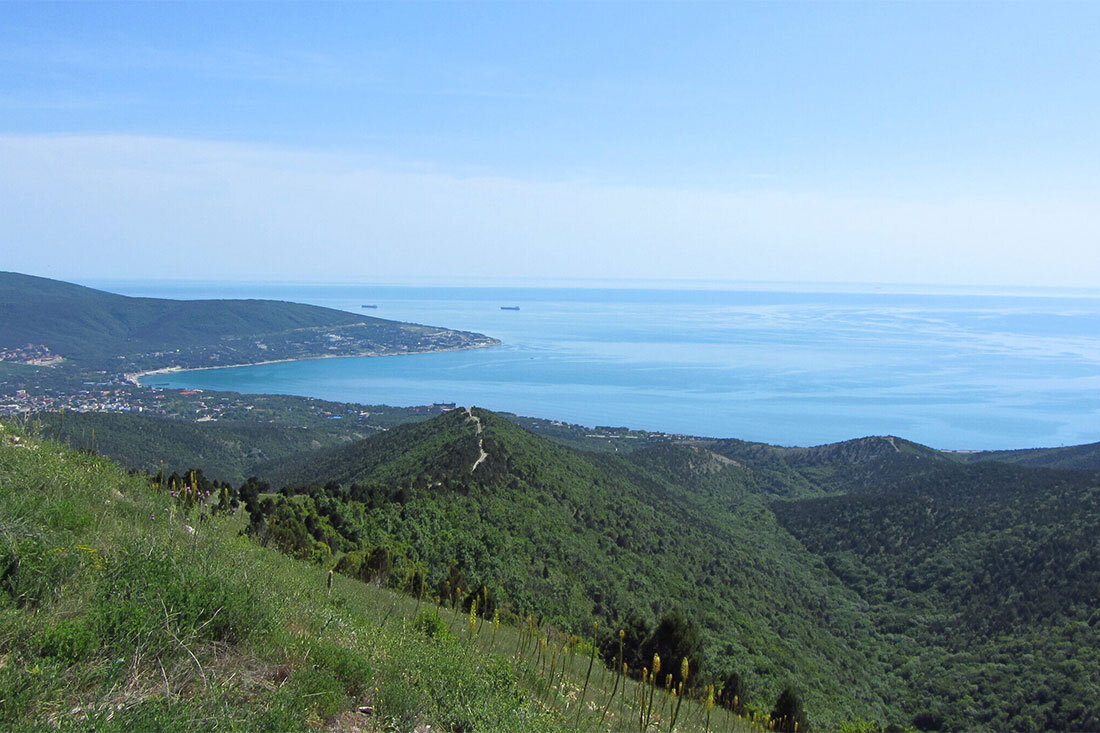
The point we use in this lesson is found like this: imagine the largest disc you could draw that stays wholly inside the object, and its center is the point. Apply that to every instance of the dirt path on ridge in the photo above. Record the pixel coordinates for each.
(480, 442)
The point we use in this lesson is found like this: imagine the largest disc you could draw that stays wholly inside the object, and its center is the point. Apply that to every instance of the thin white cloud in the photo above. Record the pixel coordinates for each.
(150, 207)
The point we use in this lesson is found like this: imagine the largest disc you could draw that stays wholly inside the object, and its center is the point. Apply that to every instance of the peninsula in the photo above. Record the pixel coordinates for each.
(50, 319)
(66, 346)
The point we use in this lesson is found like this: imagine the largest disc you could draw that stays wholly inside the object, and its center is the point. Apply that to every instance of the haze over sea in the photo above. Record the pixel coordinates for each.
(793, 365)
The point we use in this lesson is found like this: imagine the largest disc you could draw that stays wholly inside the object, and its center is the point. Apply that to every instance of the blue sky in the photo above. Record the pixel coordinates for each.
(928, 142)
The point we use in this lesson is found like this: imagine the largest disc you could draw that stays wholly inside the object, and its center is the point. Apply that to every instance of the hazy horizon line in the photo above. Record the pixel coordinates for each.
(625, 283)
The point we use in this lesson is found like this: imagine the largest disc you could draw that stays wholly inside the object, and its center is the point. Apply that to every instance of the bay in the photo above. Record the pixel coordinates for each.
(786, 365)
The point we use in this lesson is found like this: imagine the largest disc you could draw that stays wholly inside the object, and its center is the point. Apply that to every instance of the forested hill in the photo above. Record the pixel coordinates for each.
(96, 328)
(574, 537)
(880, 576)
(987, 578)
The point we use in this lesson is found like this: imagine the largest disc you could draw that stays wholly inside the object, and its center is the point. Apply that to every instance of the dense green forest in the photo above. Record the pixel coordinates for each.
(263, 428)
(987, 579)
(876, 574)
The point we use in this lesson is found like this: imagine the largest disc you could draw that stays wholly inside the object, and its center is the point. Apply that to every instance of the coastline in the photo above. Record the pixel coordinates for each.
(135, 378)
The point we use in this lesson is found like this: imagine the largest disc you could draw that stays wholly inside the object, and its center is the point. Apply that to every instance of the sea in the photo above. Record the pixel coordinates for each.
(783, 364)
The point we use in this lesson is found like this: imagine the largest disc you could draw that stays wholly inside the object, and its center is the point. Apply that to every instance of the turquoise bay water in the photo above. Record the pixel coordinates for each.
(951, 371)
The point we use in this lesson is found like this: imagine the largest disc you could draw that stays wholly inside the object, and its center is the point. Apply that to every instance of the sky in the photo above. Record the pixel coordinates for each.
(935, 143)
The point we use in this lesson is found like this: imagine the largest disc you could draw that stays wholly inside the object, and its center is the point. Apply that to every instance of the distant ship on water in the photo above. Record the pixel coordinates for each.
(509, 307)
(368, 306)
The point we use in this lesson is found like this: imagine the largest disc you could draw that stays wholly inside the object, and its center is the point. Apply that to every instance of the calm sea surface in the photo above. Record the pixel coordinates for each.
(796, 368)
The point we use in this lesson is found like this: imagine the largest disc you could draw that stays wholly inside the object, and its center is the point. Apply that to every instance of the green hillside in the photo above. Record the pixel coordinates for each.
(849, 466)
(123, 608)
(987, 580)
(883, 580)
(86, 324)
(571, 537)
(95, 328)
(880, 576)
(224, 450)
(126, 607)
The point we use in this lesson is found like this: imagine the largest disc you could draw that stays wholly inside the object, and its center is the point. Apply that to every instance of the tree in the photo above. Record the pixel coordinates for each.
(787, 715)
(675, 638)
(732, 693)
(377, 565)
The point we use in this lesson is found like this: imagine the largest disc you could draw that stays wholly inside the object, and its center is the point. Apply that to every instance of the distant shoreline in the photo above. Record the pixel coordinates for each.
(135, 378)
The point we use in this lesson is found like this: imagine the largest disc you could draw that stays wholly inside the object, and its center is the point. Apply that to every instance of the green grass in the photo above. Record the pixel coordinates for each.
(115, 616)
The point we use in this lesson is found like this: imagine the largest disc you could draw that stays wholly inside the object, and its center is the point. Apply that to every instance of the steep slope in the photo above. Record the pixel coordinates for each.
(123, 608)
(573, 537)
(982, 571)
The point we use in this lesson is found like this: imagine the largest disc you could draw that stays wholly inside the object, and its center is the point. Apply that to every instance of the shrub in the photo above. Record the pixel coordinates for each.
(70, 640)
(428, 623)
(157, 598)
(351, 669)
(788, 715)
(319, 689)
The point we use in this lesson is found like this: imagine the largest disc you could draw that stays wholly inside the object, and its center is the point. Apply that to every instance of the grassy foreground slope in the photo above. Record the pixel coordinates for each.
(114, 615)
(125, 608)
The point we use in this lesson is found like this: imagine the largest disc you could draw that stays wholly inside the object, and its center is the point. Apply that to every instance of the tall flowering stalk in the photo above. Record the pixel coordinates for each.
(710, 706)
(618, 669)
(653, 679)
(684, 670)
(591, 661)
(496, 627)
